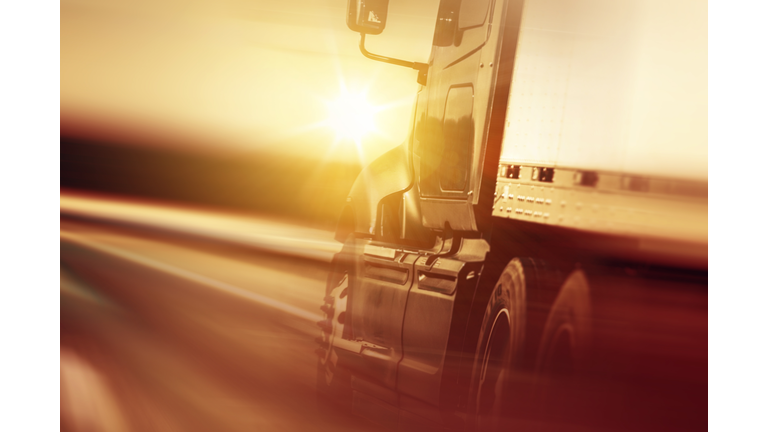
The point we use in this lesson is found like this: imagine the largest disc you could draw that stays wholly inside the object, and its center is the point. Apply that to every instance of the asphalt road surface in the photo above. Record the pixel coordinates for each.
(176, 333)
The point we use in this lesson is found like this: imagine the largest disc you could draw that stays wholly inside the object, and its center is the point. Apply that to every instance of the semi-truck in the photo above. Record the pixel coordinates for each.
(534, 255)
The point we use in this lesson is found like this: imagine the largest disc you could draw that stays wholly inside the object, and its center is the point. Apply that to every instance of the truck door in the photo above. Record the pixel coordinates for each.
(449, 146)
(384, 274)
(450, 137)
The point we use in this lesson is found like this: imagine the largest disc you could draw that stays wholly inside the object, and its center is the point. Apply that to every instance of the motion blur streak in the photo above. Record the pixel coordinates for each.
(128, 256)
(86, 401)
(155, 324)
(262, 233)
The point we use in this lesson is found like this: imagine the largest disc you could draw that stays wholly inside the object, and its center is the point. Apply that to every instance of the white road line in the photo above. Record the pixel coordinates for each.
(188, 275)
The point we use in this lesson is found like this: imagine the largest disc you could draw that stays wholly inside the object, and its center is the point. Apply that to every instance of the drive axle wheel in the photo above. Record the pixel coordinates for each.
(534, 332)
(563, 353)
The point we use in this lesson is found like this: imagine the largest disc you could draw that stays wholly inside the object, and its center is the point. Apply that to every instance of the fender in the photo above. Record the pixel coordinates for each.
(390, 173)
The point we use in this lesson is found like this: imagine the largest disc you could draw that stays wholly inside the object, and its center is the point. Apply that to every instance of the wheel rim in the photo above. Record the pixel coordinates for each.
(492, 372)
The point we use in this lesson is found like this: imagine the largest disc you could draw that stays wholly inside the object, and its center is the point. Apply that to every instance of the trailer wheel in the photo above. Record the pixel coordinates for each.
(333, 379)
(531, 328)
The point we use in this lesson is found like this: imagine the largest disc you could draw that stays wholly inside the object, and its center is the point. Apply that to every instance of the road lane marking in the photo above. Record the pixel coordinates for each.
(191, 276)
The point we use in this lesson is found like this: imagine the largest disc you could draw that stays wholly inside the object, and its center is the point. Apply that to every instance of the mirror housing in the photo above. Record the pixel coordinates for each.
(367, 16)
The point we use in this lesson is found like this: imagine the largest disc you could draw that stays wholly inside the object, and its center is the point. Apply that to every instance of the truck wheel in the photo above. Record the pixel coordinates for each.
(529, 328)
(333, 380)
(500, 345)
(562, 353)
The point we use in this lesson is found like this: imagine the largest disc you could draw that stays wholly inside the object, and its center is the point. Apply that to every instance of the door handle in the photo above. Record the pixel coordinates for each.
(392, 273)
(442, 283)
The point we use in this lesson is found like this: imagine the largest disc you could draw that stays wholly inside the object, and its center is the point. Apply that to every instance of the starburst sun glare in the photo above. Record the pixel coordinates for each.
(351, 116)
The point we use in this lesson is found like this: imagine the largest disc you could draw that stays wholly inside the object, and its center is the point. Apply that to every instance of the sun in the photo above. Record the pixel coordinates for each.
(351, 116)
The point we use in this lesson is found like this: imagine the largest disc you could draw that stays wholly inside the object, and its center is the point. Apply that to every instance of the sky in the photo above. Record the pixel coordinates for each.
(230, 76)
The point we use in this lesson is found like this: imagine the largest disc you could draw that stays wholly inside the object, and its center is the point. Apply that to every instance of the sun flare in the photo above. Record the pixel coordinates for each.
(351, 116)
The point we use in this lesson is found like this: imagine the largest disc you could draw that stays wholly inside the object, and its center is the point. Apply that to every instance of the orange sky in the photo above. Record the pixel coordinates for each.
(235, 75)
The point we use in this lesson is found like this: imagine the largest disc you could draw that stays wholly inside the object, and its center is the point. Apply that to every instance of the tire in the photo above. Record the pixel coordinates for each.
(563, 352)
(531, 322)
(333, 379)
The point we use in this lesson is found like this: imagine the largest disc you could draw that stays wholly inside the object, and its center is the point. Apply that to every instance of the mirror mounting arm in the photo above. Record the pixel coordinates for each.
(421, 67)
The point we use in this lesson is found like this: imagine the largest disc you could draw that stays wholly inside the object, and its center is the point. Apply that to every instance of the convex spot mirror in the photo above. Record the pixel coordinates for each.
(367, 16)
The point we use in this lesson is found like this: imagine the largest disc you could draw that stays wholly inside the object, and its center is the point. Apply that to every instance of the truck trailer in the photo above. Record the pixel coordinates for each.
(534, 255)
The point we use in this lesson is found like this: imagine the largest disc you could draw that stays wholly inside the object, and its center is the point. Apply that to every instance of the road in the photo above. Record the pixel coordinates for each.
(184, 333)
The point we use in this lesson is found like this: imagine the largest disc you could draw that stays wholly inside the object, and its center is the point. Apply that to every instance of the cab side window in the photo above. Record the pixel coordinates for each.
(458, 135)
(473, 13)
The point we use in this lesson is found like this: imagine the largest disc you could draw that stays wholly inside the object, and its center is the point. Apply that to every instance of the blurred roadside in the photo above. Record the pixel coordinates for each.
(166, 331)
(304, 191)
(268, 234)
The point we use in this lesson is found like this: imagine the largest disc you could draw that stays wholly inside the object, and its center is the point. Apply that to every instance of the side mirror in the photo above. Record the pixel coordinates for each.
(370, 17)
(367, 16)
